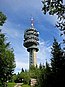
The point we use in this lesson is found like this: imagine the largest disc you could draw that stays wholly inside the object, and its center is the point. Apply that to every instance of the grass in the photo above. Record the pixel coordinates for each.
(11, 84)
(25, 85)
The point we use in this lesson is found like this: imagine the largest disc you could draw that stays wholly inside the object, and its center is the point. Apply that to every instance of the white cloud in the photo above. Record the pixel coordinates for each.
(20, 65)
(44, 52)
(12, 30)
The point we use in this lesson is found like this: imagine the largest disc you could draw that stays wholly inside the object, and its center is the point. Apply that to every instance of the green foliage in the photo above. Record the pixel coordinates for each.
(7, 63)
(44, 76)
(25, 76)
(25, 85)
(57, 7)
(22, 70)
(14, 76)
(2, 19)
(34, 72)
(52, 76)
(53, 6)
(11, 84)
(22, 77)
(57, 56)
(40, 66)
(58, 64)
(17, 78)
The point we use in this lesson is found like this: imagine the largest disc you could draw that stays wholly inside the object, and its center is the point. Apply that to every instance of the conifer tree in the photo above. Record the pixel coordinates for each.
(57, 56)
(40, 66)
(47, 75)
(7, 62)
(57, 64)
(2, 18)
(44, 79)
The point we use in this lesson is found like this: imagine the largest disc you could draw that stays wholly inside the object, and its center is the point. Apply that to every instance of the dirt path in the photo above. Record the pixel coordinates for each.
(18, 85)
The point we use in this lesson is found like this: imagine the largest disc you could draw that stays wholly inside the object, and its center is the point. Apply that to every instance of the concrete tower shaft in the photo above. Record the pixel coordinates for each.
(31, 43)
(32, 57)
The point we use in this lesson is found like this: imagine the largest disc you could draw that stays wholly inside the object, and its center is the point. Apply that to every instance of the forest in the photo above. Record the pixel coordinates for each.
(49, 75)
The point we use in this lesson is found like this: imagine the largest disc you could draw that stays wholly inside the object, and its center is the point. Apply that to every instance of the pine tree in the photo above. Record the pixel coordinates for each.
(7, 62)
(22, 70)
(40, 66)
(44, 78)
(2, 18)
(57, 64)
(47, 75)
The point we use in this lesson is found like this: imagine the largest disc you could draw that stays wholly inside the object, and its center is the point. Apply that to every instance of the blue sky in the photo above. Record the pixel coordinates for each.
(18, 14)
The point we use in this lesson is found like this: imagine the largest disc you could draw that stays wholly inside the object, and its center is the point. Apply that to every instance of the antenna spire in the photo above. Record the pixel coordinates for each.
(32, 22)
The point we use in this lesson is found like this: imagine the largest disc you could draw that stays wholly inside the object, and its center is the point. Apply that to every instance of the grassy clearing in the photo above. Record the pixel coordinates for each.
(25, 85)
(11, 84)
